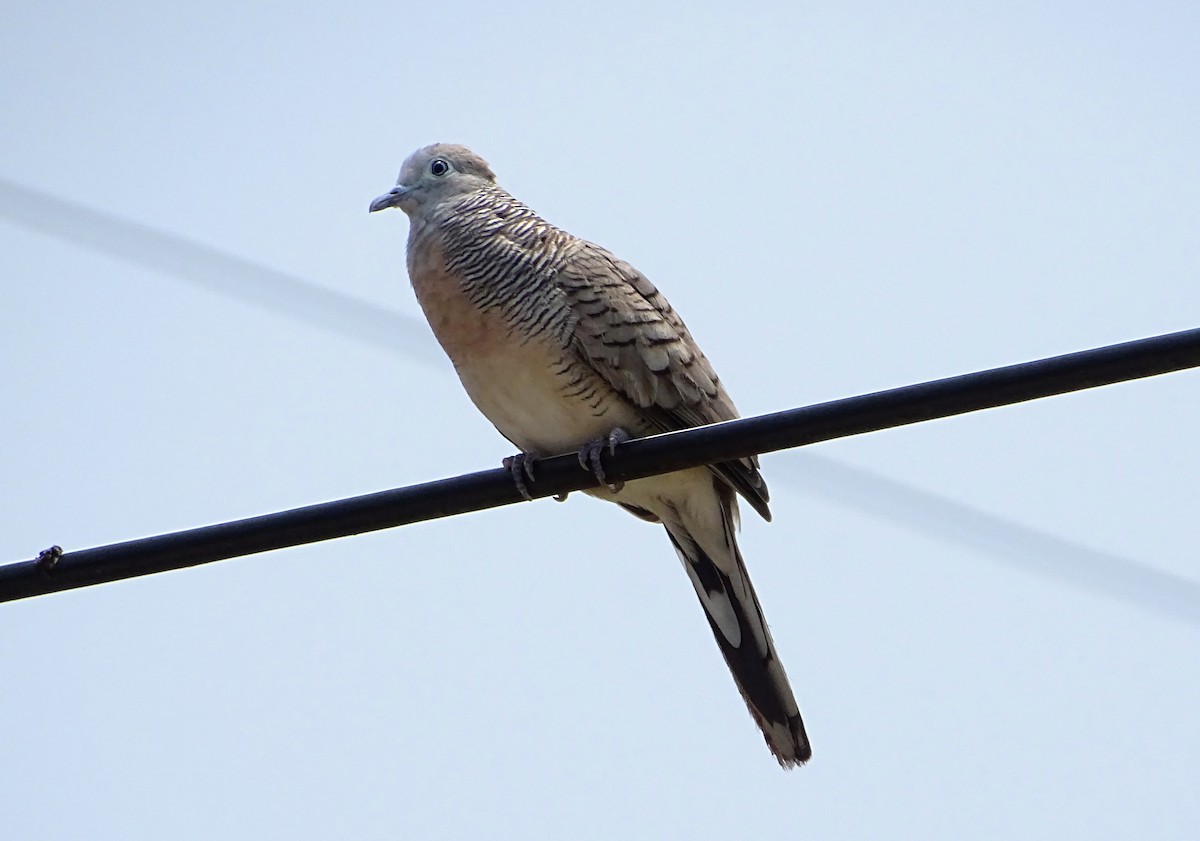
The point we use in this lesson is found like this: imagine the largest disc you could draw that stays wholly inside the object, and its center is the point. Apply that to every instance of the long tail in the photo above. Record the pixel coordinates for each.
(737, 621)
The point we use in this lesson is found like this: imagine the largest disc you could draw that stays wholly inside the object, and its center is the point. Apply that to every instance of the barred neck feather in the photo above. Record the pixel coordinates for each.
(508, 258)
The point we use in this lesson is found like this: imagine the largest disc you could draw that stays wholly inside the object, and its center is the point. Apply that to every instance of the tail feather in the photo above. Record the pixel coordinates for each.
(737, 622)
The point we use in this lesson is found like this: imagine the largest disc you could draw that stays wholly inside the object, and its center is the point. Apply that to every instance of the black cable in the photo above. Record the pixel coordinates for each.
(1013, 544)
(55, 570)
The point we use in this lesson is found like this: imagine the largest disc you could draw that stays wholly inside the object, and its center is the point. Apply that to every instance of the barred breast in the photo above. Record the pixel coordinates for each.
(485, 278)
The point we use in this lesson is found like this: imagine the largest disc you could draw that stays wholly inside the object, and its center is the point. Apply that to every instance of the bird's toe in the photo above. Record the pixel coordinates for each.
(591, 454)
(520, 467)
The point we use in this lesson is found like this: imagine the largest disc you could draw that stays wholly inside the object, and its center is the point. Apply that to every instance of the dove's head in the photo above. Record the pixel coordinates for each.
(433, 174)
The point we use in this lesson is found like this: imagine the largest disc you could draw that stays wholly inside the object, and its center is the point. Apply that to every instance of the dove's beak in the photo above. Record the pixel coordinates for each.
(391, 198)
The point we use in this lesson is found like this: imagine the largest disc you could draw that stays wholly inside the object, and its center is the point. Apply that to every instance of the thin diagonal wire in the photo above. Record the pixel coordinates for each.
(1013, 544)
(208, 268)
(1020, 547)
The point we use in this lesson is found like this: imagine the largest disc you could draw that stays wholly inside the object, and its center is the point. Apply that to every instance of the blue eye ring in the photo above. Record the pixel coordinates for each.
(438, 167)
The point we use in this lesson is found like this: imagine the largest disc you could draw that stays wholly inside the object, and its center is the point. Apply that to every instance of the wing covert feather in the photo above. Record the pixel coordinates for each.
(627, 332)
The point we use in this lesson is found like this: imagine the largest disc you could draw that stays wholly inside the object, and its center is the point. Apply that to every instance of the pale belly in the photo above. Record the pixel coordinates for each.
(540, 410)
(518, 391)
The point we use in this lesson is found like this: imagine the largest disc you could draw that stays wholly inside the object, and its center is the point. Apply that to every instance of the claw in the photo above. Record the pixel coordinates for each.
(520, 466)
(589, 456)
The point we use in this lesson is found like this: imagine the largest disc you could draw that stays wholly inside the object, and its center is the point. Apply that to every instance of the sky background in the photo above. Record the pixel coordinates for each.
(838, 198)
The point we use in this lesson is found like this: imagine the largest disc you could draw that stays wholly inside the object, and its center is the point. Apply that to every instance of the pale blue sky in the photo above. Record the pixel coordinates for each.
(838, 199)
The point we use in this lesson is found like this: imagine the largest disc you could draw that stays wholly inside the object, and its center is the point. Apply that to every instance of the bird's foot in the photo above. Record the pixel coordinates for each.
(589, 456)
(521, 468)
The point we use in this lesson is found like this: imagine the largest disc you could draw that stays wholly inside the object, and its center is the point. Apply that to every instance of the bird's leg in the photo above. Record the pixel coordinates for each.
(589, 456)
(520, 466)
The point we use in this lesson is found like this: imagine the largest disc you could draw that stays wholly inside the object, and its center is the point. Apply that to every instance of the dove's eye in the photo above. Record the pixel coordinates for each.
(439, 167)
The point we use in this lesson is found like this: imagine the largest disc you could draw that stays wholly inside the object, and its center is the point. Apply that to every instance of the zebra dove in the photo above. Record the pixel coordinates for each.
(564, 347)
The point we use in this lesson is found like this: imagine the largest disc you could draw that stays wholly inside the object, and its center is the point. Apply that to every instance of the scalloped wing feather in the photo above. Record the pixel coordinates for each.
(628, 333)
